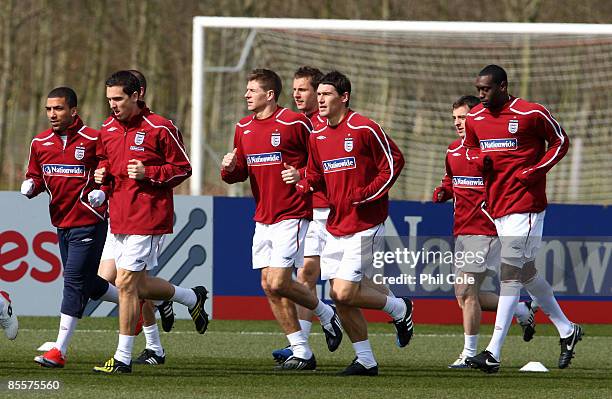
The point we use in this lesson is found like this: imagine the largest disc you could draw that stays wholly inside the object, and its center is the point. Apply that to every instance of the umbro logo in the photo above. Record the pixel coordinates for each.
(48, 143)
(456, 154)
(321, 137)
(246, 132)
(112, 129)
(87, 239)
(479, 118)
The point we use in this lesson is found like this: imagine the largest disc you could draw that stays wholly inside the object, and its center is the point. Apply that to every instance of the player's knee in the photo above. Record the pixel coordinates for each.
(342, 295)
(278, 287)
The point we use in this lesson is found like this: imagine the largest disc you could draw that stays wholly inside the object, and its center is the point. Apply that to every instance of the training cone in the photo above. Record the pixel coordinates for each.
(534, 367)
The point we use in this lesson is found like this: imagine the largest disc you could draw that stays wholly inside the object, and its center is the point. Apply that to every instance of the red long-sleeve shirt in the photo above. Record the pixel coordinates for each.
(463, 182)
(319, 200)
(262, 147)
(66, 173)
(358, 163)
(145, 206)
(515, 139)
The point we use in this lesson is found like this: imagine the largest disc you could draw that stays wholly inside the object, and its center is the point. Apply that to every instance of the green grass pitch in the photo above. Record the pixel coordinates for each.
(232, 360)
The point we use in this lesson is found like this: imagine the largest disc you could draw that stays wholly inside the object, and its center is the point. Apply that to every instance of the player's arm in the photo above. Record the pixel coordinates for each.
(176, 167)
(558, 145)
(34, 183)
(313, 179)
(233, 166)
(389, 161)
(444, 192)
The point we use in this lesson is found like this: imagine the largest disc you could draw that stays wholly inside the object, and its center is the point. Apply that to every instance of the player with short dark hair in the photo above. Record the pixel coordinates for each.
(154, 353)
(144, 154)
(62, 162)
(475, 235)
(269, 146)
(514, 143)
(357, 163)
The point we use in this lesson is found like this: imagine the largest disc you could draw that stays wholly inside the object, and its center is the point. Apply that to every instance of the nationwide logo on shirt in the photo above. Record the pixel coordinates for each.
(467, 182)
(509, 144)
(64, 170)
(339, 164)
(265, 159)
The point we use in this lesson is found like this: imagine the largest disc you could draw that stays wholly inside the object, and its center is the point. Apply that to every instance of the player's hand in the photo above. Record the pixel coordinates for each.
(439, 194)
(228, 163)
(355, 196)
(302, 187)
(135, 169)
(27, 187)
(290, 175)
(96, 198)
(99, 175)
(525, 177)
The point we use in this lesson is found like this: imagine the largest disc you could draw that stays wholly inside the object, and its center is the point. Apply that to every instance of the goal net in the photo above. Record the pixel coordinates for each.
(406, 75)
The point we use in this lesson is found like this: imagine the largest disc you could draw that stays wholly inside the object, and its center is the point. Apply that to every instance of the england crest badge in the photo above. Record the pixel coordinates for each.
(139, 139)
(275, 139)
(348, 144)
(513, 126)
(79, 153)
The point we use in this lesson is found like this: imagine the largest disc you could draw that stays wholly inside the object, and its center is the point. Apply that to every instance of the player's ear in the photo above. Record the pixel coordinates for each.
(270, 95)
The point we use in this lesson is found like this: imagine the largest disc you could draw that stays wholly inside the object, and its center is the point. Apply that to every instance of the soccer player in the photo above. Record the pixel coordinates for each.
(357, 163)
(146, 158)
(515, 143)
(62, 162)
(475, 235)
(8, 319)
(154, 352)
(305, 82)
(271, 140)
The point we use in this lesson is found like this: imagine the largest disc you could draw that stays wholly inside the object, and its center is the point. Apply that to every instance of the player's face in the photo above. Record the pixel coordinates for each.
(304, 95)
(256, 97)
(491, 94)
(59, 114)
(459, 115)
(122, 105)
(331, 104)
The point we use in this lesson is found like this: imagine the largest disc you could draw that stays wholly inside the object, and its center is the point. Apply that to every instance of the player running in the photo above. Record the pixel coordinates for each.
(272, 140)
(357, 163)
(153, 353)
(514, 143)
(475, 233)
(62, 162)
(144, 154)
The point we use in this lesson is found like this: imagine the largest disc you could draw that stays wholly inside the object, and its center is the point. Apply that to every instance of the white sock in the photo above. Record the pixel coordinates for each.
(324, 312)
(66, 329)
(395, 307)
(184, 296)
(509, 295)
(470, 345)
(124, 348)
(111, 294)
(363, 350)
(153, 341)
(299, 345)
(543, 293)
(521, 312)
(305, 325)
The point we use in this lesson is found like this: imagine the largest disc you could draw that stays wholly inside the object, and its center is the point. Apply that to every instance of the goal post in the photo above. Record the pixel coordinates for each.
(405, 75)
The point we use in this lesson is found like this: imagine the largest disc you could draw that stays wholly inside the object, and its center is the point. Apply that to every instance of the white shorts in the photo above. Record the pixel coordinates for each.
(351, 257)
(280, 244)
(137, 252)
(477, 254)
(317, 233)
(521, 237)
(108, 253)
